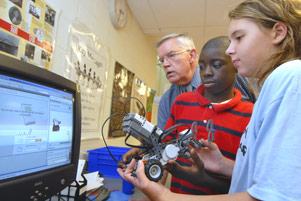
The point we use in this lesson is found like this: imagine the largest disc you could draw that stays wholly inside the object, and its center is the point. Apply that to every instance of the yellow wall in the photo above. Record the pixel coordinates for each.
(129, 46)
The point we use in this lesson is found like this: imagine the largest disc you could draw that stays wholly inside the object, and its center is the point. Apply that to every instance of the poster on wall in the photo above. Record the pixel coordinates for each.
(122, 89)
(145, 95)
(27, 30)
(87, 62)
(139, 91)
(149, 103)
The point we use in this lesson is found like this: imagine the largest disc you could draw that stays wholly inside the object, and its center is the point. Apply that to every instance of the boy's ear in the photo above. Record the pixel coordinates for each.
(279, 33)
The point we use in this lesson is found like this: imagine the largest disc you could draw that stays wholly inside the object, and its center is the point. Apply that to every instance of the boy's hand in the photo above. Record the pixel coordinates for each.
(127, 157)
(193, 174)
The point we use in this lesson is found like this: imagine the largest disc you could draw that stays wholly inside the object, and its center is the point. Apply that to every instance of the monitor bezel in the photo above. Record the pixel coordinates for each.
(46, 183)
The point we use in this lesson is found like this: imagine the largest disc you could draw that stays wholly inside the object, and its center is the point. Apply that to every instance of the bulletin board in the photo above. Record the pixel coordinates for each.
(27, 30)
(122, 89)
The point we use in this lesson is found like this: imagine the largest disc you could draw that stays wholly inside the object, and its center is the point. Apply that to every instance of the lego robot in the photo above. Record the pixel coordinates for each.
(156, 151)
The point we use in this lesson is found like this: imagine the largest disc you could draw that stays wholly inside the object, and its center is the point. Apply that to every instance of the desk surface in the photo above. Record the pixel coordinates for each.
(116, 184)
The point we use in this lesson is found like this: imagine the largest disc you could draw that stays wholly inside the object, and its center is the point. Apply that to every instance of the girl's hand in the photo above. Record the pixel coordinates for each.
(155, 191)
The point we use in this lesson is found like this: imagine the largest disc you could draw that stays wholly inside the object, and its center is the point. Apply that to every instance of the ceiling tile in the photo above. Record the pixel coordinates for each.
(217, 11)
(176, 13)
(201, 19)
(143, 13)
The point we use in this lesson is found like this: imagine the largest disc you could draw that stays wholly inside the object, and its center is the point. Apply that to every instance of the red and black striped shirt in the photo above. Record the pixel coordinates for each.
(230, 120)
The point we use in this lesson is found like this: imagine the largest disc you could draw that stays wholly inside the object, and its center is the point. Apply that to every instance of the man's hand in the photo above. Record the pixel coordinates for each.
(194, 174)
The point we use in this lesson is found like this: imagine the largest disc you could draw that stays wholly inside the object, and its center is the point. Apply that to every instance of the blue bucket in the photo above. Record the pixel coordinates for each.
(127, 187)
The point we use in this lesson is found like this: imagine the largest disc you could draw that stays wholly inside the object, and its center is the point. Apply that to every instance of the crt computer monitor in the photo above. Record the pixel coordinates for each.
(40, 127)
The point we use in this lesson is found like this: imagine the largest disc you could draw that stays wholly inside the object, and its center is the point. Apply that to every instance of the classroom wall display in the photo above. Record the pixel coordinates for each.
(149, 103)
(27, 30)
(87, 65)
(130, 94)
(139, 91)
(122, 89)
(146, 97)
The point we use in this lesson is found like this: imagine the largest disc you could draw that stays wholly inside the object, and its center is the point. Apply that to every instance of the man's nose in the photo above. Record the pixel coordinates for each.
(166, 63)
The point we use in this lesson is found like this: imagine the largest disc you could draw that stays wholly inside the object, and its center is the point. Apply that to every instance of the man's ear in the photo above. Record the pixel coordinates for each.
(279, 32)
(193, 55)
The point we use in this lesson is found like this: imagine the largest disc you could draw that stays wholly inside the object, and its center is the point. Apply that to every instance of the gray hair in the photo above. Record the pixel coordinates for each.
(184, 40)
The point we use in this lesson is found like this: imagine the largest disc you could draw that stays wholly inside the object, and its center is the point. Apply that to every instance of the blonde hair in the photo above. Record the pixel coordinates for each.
(266, 13)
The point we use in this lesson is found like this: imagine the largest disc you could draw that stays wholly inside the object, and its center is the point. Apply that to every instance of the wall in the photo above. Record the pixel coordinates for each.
(129, 46)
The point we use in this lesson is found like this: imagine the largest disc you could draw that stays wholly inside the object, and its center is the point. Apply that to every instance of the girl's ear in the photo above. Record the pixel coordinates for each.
(279, 32)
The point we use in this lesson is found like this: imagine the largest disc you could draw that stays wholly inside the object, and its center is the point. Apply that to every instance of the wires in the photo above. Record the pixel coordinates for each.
(135, 146)
(145, 147)
(104, 137)
(141, 108)
(172, 129)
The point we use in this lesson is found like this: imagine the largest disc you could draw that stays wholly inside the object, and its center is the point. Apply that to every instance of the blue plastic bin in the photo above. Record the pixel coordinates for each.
(127, 187)
(100, 160)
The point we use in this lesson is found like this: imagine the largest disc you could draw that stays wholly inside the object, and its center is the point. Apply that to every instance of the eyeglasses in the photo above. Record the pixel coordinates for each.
(170, 56)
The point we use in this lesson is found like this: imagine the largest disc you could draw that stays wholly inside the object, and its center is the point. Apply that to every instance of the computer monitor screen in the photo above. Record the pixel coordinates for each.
(39, 131)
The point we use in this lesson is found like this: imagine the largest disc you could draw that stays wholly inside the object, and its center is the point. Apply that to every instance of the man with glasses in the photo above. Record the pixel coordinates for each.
(178, 58)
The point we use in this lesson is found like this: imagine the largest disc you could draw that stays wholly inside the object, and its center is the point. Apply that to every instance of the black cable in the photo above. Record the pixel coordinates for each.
(171, 129)
(125, 112)
(129, 134)
(103, 134)
(125, 103)
(134, 146)
(146, 147)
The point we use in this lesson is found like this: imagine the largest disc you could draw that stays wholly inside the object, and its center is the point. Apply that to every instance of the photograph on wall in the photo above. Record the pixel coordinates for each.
(29, 51)
(33, 24)
(15, 15)
(17, 2)
(8, 43)
(87, 65)
(145, 95)
(149, 103)
(122, 89)
(139, 91)
(35, 11)
(50, 15)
